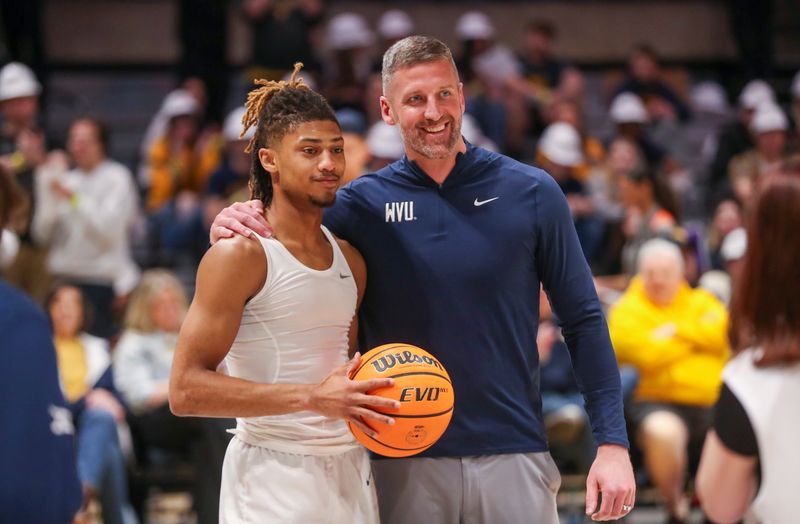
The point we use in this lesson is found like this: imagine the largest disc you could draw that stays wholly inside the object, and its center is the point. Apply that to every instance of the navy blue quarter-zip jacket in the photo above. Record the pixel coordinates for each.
(455, 269)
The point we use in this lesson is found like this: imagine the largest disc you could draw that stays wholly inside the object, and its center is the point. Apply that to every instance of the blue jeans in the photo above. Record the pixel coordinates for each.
(102, 466)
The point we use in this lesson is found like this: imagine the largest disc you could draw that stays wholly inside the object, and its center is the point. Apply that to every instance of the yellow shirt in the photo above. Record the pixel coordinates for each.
(190, 170)
(679, 349)
(72, 367)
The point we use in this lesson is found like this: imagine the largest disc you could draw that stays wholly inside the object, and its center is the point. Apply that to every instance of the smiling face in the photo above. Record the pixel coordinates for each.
(308, 163)
(426, 101)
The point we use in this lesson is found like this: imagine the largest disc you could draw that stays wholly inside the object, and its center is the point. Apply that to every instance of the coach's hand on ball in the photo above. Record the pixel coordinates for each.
(340, 397)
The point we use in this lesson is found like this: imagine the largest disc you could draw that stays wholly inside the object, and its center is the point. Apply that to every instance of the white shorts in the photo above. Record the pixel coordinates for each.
(260, 485)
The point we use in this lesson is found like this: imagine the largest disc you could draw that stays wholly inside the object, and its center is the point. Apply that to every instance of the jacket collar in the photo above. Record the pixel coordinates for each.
(410, 170)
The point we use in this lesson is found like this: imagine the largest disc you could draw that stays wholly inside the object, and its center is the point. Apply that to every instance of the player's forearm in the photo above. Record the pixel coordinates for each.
(205, 393)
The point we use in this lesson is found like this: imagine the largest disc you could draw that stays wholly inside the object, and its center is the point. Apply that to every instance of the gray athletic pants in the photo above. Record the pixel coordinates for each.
(490, 489)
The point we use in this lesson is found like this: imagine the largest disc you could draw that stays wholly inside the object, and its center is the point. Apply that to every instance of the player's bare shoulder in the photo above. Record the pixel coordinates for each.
(239, 260)
(238, 249)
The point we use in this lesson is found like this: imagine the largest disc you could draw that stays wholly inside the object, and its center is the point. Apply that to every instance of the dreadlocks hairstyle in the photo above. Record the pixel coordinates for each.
(275, 109)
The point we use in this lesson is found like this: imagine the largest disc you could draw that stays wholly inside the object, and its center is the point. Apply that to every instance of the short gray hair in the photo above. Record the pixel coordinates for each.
(411, 51)
(661, 248)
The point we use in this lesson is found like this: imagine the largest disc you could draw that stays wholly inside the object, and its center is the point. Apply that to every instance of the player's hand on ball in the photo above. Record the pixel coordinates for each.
(340, 397)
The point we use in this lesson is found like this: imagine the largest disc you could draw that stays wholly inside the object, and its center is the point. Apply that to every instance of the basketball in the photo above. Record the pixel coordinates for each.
(423, 388)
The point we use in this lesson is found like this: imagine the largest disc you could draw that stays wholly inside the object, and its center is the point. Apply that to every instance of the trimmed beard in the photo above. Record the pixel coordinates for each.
(417, 143)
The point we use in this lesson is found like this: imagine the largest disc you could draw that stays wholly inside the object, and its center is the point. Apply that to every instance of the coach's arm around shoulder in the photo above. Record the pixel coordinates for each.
(232, 272)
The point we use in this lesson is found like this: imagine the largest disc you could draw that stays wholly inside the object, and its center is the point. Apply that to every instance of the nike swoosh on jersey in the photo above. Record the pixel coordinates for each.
(479, 203)
(341, 275)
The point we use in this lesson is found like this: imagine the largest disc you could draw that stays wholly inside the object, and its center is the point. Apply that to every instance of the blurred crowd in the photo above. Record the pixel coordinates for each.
(658, 176)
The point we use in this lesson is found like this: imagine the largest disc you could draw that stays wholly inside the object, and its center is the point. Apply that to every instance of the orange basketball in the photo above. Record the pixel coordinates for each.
(423, 388)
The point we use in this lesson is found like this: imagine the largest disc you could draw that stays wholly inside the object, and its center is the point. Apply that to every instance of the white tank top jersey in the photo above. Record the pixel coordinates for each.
(294, 331)
(769, 396)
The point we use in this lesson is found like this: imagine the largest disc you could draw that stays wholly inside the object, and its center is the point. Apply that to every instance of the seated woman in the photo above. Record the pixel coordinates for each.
(84, 366)
(143, 361)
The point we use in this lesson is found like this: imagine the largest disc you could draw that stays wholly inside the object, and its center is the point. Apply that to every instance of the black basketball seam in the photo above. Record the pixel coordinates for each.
(445, 412)
(398, 449)
(419, 373)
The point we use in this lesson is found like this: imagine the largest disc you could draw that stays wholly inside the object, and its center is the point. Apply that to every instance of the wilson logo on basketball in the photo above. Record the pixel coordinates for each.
(421, 394)
(406, 357)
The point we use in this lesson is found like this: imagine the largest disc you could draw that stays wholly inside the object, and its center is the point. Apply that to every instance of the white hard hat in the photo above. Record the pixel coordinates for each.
(474, 25)
(628, 108)
(734, 245)
(769, 117)
(395, 24)
(561, 144)
(718, 283)
(795, 89)
(709, 97)
(384, 141)
(756, 92)
(17, 81)
(232, 127)
(349, 31)
(179, 102)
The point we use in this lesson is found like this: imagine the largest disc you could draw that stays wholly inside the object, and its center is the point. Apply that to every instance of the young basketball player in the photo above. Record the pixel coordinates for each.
(458, 240)
(280, 311)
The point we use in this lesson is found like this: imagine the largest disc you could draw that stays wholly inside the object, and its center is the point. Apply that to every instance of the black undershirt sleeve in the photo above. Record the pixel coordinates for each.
(732, 424)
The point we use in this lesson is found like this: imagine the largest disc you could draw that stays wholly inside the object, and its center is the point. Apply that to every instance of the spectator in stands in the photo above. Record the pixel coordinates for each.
(644, 80)
(84, 216)
(356, 151)
(228, 183)
(727, 218)
(473, 134)
(349, 39)
(629, 115)
(22, 151)
(570, 111)
(603, 184)
(675, 337)
(38, 481)
(84, 365)
(282, 35)
(694, 145)
(566, 421)
(769, 126)
(176, 170)
(393, 25)
(384, 144)
(541, 69)
(179, 166)
(736, 138)
(539, 64)
(486, 69)
(650, 211)
(560, 153)
(142, 364)
(719, 281)
(750, 459)
(623, 157)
